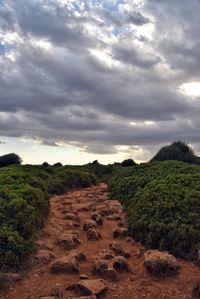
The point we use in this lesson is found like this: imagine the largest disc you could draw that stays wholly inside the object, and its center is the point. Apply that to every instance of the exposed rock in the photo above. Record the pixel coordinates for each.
(48, 297)
(129, 240)
(114, 217)
(72, 217)
(83, 207)
(120, 264)
(79, 256)
(159, 263)
(57, 291)
(91, 287)
(93, 234)
(99, 266)
(118, 250)
(120, 233)
(121, 224)
(141, 251)
(109, 207)
(196, 290)
(89, 223)
(82, 297)
(64, 265)
(105, 254)
(68, 240)
(97, 218)
(110, 274)
(83, 276)
(44, 256)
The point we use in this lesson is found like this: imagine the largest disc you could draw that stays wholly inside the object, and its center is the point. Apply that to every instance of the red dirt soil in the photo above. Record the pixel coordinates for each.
(138, 284)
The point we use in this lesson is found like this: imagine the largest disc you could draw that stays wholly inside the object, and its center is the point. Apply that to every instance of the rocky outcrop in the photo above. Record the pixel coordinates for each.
(93, 234)
(79, 256)
(44, 256)
(89, 223)
(120, 264)
(120, 233)
(57, 291)
(109, 207)
(69, 240)
(118, 250)
(99, 265)
(72, 217)
(105, 254)
(108, 268)
(196, 290)
(114, 217)
(97, 218)
(64, 265)
(110, 274)
(91, 287)
(160, 263)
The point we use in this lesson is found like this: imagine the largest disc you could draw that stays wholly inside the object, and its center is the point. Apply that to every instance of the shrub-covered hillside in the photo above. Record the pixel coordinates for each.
(24, 192)
(163, 205)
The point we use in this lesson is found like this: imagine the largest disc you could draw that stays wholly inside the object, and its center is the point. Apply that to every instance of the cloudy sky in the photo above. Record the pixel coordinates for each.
(89, 79)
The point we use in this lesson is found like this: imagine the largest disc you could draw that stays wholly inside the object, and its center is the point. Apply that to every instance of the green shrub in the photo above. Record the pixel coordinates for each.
(179, 151)
(10, 159)
(65, 180)
(163, 205)
(24, 193)
(128, 162)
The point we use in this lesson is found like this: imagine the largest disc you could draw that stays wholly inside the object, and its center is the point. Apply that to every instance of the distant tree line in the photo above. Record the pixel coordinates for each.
(178, 151)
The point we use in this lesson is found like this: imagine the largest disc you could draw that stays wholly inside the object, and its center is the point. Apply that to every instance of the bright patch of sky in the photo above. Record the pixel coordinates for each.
(33, 152)
(112, 5)
(191, 89)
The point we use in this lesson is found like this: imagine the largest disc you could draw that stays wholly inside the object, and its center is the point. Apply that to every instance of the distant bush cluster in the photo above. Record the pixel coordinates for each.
(10, 159)
(128, 162)
(163, 205)
(179, 151)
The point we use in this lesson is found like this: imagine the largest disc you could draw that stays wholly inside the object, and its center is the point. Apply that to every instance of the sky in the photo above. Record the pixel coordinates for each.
(82, 80)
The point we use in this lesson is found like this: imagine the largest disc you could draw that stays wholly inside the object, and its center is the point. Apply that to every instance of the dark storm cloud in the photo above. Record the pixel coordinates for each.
(132, 17)
(131, 56)
(136, 18)
(49, 143)
(97, 78)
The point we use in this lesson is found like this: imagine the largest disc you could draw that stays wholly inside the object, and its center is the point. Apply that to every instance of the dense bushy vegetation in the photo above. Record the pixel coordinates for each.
(163, 204)
(10, 159)
(24, 192)
(176, 151)
(162, 199)
(128, 162)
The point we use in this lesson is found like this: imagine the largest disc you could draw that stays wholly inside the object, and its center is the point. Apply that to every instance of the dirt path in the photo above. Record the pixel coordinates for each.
(137, 284)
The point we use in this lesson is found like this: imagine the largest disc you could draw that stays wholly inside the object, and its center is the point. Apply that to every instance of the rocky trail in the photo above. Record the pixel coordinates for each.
(84, 250)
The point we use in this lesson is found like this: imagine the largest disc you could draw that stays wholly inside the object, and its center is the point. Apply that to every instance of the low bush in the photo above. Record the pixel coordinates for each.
(128, 163)
(163, 205)
(65, 180)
